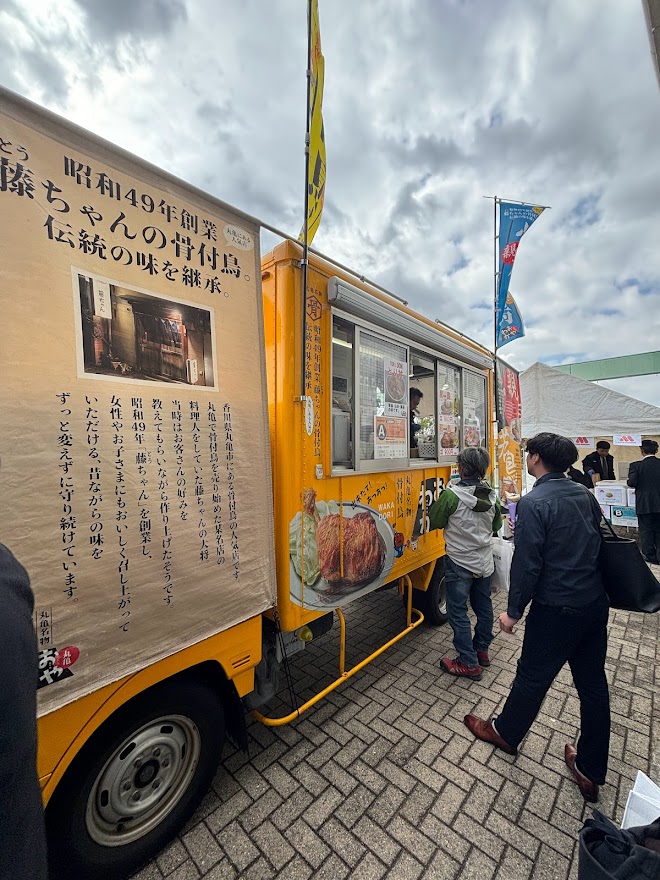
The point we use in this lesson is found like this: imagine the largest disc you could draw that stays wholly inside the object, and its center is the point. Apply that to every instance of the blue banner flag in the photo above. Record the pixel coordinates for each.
(515, 220)
(511, 326)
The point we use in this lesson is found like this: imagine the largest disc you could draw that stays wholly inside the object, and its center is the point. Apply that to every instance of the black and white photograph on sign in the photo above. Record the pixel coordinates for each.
(127, 333)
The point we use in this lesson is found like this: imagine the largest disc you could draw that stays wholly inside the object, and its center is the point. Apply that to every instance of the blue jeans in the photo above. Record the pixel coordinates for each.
(461, 585)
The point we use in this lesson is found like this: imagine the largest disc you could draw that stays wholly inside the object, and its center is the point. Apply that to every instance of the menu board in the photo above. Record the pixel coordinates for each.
(448, 409)
(390, 437)
(396, 388)
(474, 409)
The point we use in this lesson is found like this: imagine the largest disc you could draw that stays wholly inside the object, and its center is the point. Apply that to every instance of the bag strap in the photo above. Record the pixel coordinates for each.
(602, 518)
(609, 525)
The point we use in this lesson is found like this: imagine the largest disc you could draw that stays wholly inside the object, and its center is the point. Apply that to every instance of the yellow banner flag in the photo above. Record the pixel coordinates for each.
(316, 173)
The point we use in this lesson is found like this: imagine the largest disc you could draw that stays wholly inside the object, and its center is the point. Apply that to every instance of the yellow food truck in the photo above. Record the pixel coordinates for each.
(202, 465)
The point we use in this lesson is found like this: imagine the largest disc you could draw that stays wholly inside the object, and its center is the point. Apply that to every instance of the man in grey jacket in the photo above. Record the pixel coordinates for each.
(469, 512)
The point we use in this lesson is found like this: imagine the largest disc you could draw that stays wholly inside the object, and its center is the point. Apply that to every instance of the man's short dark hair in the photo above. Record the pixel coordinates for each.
(474, 461)
(649, 447)
(556, 452)
(602, 444)
(416, 392)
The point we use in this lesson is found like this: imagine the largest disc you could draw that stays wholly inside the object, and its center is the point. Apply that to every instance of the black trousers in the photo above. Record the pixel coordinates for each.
(649, 534)
(554, 636)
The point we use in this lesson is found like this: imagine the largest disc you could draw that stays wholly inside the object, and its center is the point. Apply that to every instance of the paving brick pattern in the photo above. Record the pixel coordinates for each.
(382, 779)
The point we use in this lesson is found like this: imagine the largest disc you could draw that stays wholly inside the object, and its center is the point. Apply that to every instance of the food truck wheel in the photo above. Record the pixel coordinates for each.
(434, 601)
(136, 782)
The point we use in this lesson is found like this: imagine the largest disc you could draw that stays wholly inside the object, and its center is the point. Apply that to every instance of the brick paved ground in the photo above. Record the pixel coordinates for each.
(382, 779)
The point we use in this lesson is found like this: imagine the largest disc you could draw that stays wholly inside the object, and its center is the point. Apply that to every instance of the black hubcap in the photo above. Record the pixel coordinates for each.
(146, 773)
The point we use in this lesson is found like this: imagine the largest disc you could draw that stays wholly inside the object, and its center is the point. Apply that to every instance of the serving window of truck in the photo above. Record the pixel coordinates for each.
(375, 364)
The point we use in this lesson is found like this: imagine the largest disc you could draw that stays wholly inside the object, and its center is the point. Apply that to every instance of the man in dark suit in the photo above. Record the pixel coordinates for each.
(644, 478)
(22, 833)
(599, 464)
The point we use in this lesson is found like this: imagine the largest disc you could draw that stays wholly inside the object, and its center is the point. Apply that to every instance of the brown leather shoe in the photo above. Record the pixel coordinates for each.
(485, 731)
(588, 789)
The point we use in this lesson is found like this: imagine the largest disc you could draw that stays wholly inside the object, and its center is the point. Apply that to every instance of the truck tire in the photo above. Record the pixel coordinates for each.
(433, 601)
(136, 782)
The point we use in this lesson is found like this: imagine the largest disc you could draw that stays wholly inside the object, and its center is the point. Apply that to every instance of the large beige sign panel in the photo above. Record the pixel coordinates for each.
(134, 449)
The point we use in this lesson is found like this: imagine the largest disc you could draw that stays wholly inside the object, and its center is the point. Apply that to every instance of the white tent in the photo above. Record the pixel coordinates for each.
(565, 404)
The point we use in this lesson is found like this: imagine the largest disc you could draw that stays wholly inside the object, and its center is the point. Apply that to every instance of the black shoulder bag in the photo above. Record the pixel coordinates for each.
(629, 582)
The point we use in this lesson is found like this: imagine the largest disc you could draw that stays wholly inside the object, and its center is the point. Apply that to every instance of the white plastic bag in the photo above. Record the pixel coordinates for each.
(502, 556)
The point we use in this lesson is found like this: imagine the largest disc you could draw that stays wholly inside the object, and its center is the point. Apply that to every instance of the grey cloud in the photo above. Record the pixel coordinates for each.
(426, 151)
(36, 66)
(109, 20)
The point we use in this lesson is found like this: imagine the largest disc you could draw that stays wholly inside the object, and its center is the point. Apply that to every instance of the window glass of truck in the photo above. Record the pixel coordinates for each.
(449, 409)
(383, 400)
(423, 377)
(474, 409)
(342, 393)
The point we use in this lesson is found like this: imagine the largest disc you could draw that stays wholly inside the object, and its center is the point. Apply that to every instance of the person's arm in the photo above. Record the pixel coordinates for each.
(610, 467)
(633, 475)
(588, 466)
(527, 560)
(442, 509)
(497, 518)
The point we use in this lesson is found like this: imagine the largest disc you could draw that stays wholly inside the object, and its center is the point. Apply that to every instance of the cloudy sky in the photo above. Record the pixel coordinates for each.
(429, 106)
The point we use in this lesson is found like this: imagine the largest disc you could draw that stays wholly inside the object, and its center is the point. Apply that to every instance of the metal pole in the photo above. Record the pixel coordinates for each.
(518, 202)
(303, 386)
(496, 266)
(496, 424)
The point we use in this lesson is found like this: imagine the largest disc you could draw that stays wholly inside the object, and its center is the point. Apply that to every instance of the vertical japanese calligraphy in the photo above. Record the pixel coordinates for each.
(95, 495)
(132, 360)
(163, 487)
(67, 519)
(216, 495)
(124, 599)
(231, 481)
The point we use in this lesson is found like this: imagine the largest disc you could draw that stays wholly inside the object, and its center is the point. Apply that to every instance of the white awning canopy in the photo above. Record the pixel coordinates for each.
(564, 404)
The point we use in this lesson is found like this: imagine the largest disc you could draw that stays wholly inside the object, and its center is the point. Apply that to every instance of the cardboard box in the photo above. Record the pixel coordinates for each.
(611, 492)
(624, 516)
(632, 498)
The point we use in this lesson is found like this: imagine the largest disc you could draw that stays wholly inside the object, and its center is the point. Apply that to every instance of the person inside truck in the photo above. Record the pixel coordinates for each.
(415, 399)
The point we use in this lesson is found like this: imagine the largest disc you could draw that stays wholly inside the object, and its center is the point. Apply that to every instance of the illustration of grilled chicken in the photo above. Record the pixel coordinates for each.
(364, 549)
(363, 552)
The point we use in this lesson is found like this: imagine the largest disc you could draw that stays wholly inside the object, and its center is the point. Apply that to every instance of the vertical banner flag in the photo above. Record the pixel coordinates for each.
(508, 404)
(515, 220)
(511, 326)
(316, 178)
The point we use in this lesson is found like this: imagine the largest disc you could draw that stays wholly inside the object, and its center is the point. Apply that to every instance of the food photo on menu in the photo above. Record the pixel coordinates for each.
(472, 434)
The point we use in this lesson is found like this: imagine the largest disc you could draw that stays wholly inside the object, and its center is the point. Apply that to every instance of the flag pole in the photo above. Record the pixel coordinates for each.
(496, 424)
(495, 274)
(305, 260)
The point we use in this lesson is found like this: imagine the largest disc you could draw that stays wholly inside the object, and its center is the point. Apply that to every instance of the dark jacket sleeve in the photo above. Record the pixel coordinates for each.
(588, 464)
(527, 558)
(610, 468)
(497, 518)
(633, 474)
